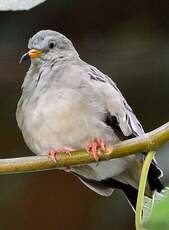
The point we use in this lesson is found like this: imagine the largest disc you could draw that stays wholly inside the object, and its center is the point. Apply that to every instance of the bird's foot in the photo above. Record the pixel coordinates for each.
(95, 148)
(53, 153)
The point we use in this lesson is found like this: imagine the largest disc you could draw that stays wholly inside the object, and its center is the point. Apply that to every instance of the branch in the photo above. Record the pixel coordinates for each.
(148, 141)
(141, 189)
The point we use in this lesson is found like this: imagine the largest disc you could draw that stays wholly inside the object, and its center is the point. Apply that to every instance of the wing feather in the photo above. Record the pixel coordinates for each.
(117, 106)
(120, 115)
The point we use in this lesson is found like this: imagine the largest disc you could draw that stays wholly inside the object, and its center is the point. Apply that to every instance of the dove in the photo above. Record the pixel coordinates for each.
(68, 104)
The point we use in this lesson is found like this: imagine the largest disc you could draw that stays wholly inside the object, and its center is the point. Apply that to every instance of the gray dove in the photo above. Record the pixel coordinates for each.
(67, 105)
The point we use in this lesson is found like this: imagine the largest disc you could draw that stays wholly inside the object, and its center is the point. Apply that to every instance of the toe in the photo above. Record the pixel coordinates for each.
(52, 155)
(101, 145)
(91, 148)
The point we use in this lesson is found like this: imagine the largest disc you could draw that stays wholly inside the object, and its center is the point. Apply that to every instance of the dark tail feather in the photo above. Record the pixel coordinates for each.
(131, 194)
(129, 191)
(153, 178)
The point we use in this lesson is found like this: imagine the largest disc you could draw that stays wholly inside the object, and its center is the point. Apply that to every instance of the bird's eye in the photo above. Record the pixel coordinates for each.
(51, 45)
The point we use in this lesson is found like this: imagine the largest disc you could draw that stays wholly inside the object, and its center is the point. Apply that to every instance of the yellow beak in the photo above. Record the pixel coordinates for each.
(33, 53)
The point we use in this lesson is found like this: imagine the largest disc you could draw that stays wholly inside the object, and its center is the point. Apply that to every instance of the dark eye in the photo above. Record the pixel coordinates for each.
(51, 45)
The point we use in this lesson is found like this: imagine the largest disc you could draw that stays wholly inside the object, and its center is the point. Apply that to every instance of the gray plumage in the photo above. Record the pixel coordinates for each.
(67, 102)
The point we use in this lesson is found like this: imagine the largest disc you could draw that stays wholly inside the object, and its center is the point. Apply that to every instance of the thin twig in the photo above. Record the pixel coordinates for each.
(141, 189)
(149, 141)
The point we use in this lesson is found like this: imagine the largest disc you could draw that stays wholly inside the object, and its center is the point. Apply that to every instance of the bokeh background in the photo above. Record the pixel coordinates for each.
(129, 41)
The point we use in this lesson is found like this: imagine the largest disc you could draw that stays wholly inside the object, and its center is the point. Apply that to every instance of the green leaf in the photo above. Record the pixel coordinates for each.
(157, 217)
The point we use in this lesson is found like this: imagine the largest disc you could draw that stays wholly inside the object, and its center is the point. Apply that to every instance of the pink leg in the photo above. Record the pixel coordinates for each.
(101, 145)
(52, 155)
(95, 148)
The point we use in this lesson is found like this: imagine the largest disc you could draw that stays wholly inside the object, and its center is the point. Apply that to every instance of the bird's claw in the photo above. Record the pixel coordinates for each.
(95, 148)
(53, 153)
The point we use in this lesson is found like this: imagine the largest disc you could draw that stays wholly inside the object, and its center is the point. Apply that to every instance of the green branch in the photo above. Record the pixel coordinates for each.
(141, 189)
(148, 141)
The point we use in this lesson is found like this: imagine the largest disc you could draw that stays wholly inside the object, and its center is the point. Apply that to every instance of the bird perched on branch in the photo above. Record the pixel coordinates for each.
(67, 105)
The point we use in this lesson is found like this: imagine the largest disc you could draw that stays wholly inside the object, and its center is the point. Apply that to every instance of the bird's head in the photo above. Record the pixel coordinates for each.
(48, 45)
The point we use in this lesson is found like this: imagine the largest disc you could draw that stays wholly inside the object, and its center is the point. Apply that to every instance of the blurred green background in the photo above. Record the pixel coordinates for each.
(129, 41)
